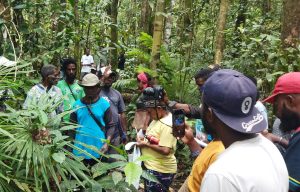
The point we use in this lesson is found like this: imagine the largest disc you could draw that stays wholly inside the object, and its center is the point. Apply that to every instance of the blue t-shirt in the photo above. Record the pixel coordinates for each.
(90, 133)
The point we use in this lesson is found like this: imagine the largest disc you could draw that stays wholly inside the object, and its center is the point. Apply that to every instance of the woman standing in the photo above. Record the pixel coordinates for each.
(158, 142)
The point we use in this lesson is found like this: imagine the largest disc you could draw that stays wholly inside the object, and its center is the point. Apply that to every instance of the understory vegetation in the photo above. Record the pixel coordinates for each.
(33, 148)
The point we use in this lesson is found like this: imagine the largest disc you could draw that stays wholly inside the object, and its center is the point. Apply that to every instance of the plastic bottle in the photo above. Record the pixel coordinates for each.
(152, 140)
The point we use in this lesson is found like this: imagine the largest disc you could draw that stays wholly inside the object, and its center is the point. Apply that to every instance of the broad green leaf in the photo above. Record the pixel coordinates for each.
(102, 168)
(116, 177)
(117, 157)
(72, 2)
(144, 158)
(106, 182)
(59, 157)
(149, 177)
(22, 6)
(269, 77)
(43, 117)
(133, 172)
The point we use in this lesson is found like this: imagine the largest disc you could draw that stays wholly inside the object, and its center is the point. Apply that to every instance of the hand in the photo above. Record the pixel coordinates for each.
(141, 143)
(105, 73)
(188, 136)
(166, 98)
(104, 148)
(270, 136)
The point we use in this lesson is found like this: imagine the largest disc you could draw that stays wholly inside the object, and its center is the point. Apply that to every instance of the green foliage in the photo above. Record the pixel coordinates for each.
(39, 159)
(35, 36)
(265, 58)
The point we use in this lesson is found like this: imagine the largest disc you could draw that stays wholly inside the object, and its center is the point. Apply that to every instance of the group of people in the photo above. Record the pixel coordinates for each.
(98, 108)
(240, 154)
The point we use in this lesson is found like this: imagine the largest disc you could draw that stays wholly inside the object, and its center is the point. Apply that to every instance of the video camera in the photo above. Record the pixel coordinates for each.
(153, 93)
(150, 97)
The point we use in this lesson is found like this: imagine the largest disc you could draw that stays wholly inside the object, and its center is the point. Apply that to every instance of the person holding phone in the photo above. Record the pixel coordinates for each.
(163, 165)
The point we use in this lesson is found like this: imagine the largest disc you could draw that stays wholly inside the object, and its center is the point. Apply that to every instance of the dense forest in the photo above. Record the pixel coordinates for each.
(169, 39)
(172, 38)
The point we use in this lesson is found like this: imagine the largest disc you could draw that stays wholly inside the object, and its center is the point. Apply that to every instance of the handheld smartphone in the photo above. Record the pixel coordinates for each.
(178, 123)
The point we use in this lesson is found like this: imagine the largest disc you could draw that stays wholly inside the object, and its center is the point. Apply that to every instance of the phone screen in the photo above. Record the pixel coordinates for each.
(179, 120)
(178, 123)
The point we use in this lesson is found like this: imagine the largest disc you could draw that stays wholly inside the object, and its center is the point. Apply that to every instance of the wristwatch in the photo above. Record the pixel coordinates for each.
(171, 104)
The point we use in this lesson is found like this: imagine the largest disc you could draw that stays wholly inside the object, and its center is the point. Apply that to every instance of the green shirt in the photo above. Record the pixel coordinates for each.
(69, 99)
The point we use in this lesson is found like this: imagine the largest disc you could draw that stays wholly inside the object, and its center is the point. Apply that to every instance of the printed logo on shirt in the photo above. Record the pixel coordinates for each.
(107, 99)
(249, 125)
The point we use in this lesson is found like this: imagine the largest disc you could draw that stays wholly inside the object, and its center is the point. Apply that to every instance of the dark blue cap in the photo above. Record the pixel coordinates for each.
(232, 97)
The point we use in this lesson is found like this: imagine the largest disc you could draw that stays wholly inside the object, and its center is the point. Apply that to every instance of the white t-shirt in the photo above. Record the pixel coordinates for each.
(253, 165)
(86, 59)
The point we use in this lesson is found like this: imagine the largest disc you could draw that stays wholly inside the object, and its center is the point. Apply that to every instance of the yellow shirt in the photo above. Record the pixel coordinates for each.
(207, 156)
(161, 130)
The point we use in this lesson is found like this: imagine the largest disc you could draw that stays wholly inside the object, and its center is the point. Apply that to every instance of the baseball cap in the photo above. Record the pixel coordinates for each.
(286, 84)
(232, 97)
(89, 80)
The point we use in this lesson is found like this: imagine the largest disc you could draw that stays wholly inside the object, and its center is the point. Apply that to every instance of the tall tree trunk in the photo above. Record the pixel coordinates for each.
(290, 34)
(88, 33)
(62, 20)
(188, 30)
(266, 6)
(240, 22)
(4, 15)
(157, 34)
(266, 17)
(169, 23)
(114, 33)
(77, 39)
(220, 39)
(145, 22)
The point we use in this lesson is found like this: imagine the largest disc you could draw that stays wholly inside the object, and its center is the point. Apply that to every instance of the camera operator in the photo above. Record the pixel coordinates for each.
(158, 141)
(200, 77)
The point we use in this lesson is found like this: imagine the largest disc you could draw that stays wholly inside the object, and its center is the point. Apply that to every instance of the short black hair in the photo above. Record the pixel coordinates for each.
(66, 62)
(207, 72)
(203, 73)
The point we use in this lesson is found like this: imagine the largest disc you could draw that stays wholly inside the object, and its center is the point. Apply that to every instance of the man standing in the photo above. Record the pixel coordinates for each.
(86, 63)
(69, 86)
(94, 115)
(250, 162)
(286, 106)
(50, 76)
(114, 97)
